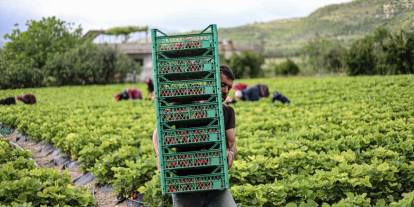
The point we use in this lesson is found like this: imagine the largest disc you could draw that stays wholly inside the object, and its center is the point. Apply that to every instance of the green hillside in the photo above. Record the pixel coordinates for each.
(344, 22)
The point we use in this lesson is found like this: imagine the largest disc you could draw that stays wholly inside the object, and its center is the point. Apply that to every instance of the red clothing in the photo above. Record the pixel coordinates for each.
(239, 86)
(134, 93)
(130, 93)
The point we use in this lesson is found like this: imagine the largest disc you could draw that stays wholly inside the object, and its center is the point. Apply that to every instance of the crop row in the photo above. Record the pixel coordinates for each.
(22, 184)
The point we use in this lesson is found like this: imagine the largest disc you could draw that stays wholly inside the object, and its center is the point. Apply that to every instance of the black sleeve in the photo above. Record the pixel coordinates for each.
(8, 101)
(229, 117)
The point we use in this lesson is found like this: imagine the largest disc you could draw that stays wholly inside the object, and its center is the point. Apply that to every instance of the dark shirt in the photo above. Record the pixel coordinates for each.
(150, 86)
(8, 101)
(229, 117)
(123, 95)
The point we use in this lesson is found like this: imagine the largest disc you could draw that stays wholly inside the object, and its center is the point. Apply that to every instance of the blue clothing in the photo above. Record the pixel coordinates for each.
(277, 96)
(251, 94)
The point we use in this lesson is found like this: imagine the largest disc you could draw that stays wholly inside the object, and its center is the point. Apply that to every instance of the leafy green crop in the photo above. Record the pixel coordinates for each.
(343, 141)
(22, 184)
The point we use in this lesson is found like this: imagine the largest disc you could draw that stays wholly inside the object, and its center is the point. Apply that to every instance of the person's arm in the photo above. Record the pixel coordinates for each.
(8, 101)
(231, 146)
(155, 144)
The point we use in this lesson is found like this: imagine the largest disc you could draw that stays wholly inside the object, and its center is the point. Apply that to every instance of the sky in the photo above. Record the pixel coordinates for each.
(167, 15)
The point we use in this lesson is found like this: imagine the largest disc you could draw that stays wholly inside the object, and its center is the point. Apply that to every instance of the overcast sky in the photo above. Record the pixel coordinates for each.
(168, 15)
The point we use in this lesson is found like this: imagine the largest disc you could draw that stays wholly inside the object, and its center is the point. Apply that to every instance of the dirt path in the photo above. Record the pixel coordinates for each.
(46, 155)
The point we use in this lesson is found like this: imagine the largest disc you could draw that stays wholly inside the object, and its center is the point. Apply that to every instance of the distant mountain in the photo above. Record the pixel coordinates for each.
(345, 22)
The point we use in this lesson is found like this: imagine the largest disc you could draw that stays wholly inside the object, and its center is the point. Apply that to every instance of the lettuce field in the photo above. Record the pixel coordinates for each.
(343, 141)
(22, 184)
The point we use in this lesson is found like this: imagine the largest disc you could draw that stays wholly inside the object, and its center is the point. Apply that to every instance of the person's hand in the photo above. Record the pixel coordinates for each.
(230, 157)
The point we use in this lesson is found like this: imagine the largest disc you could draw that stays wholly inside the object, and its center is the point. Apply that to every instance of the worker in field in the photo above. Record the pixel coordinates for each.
(277, 96)
(253, 93)
(26, 99)
(216, 198)
(130, 93)
(150, 88)
(237, 88)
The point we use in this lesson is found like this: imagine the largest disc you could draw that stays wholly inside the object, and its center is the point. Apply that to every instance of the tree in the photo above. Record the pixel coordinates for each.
(382, 53)
(360, 57)
(27, 52)
(247, 64)
(42, 39)
(288, 67)
(380, 37)
(324, 55)
(89, 64)
(400, 53)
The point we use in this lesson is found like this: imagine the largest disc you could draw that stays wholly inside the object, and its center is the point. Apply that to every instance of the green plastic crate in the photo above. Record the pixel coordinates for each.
(187, 88)
(188, 112)
(189, 42)
(190, 136)
(185, 65)
(182, 184)
(194, 159)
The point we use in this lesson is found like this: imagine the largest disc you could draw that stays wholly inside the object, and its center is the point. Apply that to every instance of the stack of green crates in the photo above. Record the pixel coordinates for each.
(190, 125)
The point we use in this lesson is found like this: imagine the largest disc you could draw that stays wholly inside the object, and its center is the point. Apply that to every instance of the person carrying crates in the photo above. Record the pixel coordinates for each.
(213, 198)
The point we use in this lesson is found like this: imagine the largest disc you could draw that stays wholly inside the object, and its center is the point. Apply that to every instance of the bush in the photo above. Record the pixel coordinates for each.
(400, 53)
(324, 55)
(382, 53)
(288, 67)
(26, 53)
(51, 52)
(89, 64)
(247, 64)
(19, 74)
(360, 58)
